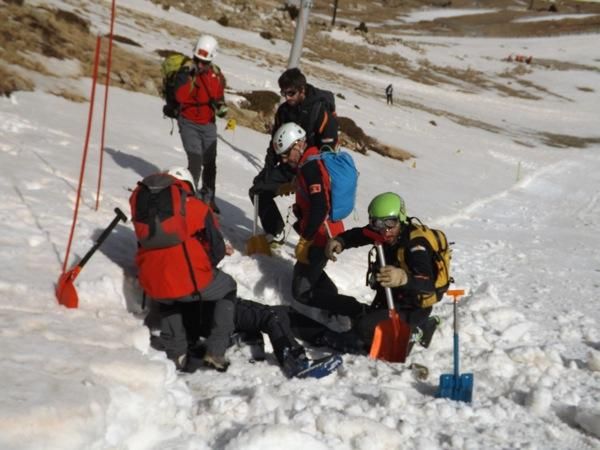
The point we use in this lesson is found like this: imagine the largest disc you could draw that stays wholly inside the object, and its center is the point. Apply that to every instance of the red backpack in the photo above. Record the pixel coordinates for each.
(158, 211)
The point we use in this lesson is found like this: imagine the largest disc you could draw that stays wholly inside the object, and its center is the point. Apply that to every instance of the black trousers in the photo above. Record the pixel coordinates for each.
(269, 180)
(313, 287)
(249, 317)
(253, 317)
(363, 325)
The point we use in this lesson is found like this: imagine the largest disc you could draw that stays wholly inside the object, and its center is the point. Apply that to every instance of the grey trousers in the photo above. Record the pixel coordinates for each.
(175, 314)
(200, 145)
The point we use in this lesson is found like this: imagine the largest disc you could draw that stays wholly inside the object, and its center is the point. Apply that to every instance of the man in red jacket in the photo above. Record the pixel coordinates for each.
(174, 276)
(199, 92)
(311, 285)
(194, 297)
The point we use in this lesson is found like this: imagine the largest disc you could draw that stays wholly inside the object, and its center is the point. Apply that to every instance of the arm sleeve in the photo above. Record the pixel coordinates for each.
(327, 129)
(212, 240)
(182, 85)
(317, 198)
(355, 237)
(420, 280)
(271, 158)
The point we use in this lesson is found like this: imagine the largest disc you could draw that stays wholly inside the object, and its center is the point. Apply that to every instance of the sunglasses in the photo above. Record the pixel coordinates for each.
(386, 223)
(289, 93)
(200, 61)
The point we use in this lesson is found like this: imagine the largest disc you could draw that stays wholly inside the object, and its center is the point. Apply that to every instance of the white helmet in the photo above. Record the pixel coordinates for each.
(286, 136)
(206, 48)
(183, 174)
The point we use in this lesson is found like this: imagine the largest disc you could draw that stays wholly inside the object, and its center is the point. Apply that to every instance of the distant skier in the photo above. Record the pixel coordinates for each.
(389, 93)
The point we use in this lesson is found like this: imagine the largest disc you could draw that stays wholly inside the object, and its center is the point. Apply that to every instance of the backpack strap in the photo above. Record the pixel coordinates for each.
(188, 260)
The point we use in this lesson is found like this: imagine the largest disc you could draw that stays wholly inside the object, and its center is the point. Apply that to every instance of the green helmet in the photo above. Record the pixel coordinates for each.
(387, 204)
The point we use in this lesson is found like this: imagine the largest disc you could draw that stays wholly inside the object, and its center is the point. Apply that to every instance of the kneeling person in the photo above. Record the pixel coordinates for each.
(179, 247)
(409, 273)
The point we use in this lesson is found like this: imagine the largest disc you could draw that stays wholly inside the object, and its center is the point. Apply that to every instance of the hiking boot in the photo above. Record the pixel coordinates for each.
(217, 362)
(428, 329)
(212, 205)
(294, 361)
(180, 362)
(424, 334)
(275, 240)
(297, 365)
(254, 342)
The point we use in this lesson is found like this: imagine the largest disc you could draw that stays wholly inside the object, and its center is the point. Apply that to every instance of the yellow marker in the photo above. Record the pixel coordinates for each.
(231, 123)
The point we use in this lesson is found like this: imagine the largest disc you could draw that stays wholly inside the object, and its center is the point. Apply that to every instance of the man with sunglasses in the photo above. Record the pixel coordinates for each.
(199, 91)
(409, 273)
(313, 110)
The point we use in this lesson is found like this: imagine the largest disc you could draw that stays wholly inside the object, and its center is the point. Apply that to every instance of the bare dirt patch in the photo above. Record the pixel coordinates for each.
(11, 82)
(566, 141)
(64, 34)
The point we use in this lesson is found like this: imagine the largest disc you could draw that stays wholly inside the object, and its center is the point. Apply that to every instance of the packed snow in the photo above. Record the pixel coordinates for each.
(524, 217)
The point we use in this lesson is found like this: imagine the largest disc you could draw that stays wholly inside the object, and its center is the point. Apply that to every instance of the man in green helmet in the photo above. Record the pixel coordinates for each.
(408, 272)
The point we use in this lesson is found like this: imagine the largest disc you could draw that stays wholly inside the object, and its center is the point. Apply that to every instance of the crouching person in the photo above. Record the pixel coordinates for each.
(409, 273)
(179, 247)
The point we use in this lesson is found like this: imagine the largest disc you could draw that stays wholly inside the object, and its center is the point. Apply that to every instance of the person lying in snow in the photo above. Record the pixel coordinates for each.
(409, 273)
(179, 247)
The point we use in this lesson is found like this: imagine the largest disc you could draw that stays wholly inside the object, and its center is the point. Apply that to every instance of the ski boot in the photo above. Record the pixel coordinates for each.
(297, 365)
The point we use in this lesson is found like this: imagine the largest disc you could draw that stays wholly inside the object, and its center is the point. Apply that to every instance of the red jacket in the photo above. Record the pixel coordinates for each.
(165, 273)
(313, 202)
(195, 92)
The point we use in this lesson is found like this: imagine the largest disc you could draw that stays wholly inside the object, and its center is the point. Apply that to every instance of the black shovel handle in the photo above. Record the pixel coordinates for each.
(120, 216)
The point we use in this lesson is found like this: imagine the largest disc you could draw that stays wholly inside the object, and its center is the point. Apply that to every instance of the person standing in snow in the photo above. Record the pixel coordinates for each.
(409, 273)
(314, 110)
(311, 285)
(389, 93)
(199, 91)
(195, 298)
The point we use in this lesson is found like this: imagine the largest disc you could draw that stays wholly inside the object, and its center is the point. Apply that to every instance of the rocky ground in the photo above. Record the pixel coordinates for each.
(31, 35)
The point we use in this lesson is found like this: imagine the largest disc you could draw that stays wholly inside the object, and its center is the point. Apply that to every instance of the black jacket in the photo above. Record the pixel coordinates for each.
(316, 116)
(416, 253)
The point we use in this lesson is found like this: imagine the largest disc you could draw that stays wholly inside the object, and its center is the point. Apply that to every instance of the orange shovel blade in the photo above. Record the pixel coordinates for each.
(65, 290)
(258, 244)
(390, 339)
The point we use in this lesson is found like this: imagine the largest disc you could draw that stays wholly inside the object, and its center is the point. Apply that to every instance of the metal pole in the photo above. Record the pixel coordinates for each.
(302, 22)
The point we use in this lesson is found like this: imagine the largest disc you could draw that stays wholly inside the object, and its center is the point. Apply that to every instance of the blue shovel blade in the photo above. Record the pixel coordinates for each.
(456, 387)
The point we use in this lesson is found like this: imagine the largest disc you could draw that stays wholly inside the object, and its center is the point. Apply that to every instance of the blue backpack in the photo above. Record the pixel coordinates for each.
(343, 181)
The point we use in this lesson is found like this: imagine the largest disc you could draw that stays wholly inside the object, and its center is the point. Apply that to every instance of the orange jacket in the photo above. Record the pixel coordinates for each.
(166, 273)
(196, 92)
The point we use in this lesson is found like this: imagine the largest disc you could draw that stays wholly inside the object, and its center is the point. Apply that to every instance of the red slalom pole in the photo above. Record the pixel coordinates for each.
(85, 149)
(106, 85)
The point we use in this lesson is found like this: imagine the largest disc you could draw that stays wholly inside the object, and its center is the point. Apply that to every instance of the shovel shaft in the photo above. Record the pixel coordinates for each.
(119, 216)
(255, 215)
(456, 359)
(456, 355)
(388, 291)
